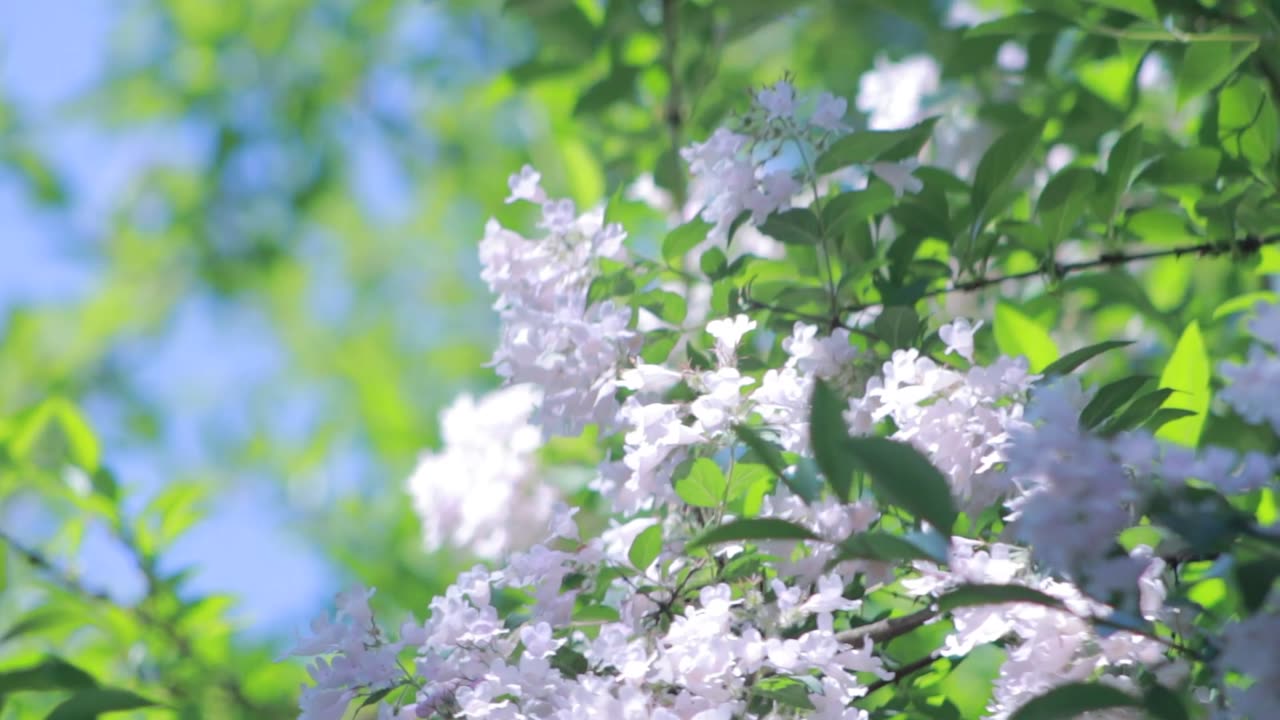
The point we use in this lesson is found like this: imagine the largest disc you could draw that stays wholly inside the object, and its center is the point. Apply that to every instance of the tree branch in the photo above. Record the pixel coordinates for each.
(1247, 246)
(888, 628)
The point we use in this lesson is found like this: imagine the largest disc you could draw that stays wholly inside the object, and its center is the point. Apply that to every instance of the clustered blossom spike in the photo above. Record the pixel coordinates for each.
(552, 336)
(483, 491)
(650, 620)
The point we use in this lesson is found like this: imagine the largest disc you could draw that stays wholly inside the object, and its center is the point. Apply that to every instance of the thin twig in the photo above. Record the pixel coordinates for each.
(1246, 246)
(902, 673)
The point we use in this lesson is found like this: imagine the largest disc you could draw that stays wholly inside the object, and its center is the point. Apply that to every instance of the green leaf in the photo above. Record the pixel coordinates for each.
(1017, 334)
(376, 696)
(1076, 358)
(1188, 166)
(1073, 700)
(704, 486)
(898, 325)
(798, 226)
(829, 437)
(618, 85)
(902, 476)
(1121, 163)
(1028, 23)
(752, 529)
(1247, 121)
(804, 480)
(681, 240)
(1164, 416)
(62, 414)
(856, 206)
(1162, 703)
(36, 620)
(744, 476)
(1110, 398)
(1244, 303)
(52, 673)
(979, 594)
(1206, 64)
(646, 547)
(1138, 412)
(1063, 201)
(869, 146)
(769, 453)
(888, 547)
(785, 690)
(91, 703)
(1144, 9)
(1188, 374)
(1000, 165)
(713, 263)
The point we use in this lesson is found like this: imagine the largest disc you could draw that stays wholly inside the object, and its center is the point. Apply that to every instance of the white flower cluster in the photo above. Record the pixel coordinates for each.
(483, 491)
(551, 335)
(1248, 392)
(742, 171)
(637, 624)
(1078, 490)
(961, 420)
(1046, 646)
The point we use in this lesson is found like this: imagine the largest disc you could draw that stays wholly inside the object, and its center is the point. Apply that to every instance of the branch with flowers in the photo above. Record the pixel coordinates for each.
(807, 511)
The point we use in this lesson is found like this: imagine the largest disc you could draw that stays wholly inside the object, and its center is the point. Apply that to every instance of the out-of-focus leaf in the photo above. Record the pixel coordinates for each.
(1016, 334)
(1187, 373)
(1073, 700)
(1206, 64)
(752, 529)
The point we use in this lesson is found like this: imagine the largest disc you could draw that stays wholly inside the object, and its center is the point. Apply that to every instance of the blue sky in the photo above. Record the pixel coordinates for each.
(50, 53)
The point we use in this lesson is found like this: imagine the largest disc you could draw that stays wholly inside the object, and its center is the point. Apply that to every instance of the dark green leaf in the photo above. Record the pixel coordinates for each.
(52, 673)
(1073, 700)
(1121, 162)
(1144, 9)
(888, 547)
(856, 206)
(798, 226)
(1031, 23)
(376, 696)
(1138, 412)
(902, 476)
(977, 595)
(1110, 398)
(1188, 166)
(768, 453)
(1207, 64)
(752, 529)
(898, 325)
(829, 437)
(869, 146)
(1000, 165)
(1161, 703)
(1063, 201)
(1076, 358)
(91, 703)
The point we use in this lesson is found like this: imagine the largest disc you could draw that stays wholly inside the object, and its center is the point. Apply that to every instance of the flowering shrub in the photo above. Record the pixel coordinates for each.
(819, 503)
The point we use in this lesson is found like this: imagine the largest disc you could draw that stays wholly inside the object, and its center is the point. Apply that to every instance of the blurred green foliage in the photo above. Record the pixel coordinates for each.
(379, 309)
